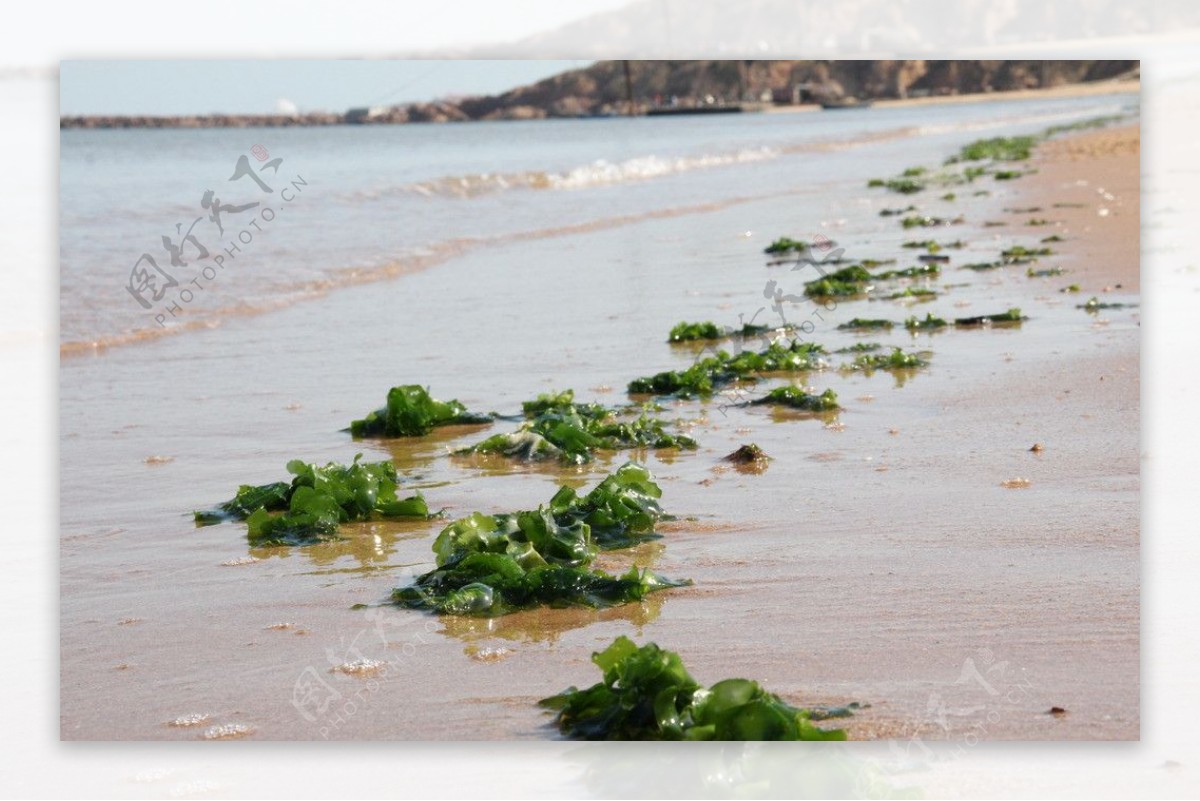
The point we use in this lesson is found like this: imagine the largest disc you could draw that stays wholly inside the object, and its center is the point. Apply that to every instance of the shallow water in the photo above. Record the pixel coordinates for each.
(861, 565)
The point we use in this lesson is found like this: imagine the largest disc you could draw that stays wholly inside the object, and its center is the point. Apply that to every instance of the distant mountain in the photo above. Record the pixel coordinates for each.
(604, 87)
(601, 88)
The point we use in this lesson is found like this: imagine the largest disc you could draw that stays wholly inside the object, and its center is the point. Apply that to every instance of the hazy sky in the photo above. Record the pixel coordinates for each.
(261, 87)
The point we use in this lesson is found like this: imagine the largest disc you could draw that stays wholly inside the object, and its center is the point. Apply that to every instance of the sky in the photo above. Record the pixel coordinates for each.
(265, 87)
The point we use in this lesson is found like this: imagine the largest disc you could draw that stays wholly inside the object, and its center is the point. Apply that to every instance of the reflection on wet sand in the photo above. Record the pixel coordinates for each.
(547, 625)
(574, 476)
(417, 453)
(369, 544)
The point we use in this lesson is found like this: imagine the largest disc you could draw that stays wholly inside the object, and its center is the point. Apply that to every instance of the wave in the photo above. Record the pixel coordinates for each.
(602, 173)
(595, 174)
(284, 294)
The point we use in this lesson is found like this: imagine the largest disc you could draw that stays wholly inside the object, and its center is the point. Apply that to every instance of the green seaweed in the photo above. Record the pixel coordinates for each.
(930, 323)
(903, 185)
(846, 282)
(862, 324)
(689, 332)
(982, 266)
(933, 246)
(796, 398)
(647, 694)
(1001, 148)
(912, 292)
(1007, 175)
(708, 331)
(1094, 305)
(1047, 273)
(1019, 254)
(896, 360)
(918, 221)
(1083, 125)
(489, 565)
(272, 497)
(1052, 238)
(895, 212)
(920, 271)
(561, 402)
(711, 373)
(411, 412)
(559, 428)
(860, 347)
(1012, 316)
(785, 244)
(316, 502)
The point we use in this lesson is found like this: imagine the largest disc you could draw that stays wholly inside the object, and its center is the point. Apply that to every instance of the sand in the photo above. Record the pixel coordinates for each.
(1089, 185)
(1099, 88)
(868, 563)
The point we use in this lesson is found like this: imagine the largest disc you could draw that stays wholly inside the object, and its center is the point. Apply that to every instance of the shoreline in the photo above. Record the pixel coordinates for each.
(1096, 89)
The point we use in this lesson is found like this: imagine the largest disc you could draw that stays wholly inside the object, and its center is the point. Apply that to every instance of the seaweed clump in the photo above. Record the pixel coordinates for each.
(924, 221)
(690, 332)
(1010, 317)
(846, 282)
(896, 360)
(316, 502)
(863, 324)
(785, 244)
(748, 455)
(930, 323)
(709, 331)
(722, 369)
(1094, 305)
(794, 397)
(1001, 148)
(489, 565)
(1019, 254)
(647, 694)
(559, 428)
(411, 412)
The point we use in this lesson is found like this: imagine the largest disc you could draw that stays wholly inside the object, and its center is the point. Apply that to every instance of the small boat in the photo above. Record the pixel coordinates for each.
(676, 111)
(845, 102)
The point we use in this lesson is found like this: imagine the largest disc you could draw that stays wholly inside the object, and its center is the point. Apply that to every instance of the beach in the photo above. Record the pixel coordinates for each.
(913, 553)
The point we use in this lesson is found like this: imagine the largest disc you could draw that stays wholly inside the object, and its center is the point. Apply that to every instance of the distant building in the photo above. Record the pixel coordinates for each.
(366, 114)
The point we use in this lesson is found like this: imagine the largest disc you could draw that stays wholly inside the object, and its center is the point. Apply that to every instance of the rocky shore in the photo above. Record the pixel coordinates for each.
(604, 88)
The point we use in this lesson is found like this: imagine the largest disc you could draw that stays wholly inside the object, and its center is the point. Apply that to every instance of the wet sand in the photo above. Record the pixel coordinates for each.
(1098, 89)
(879, 559)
